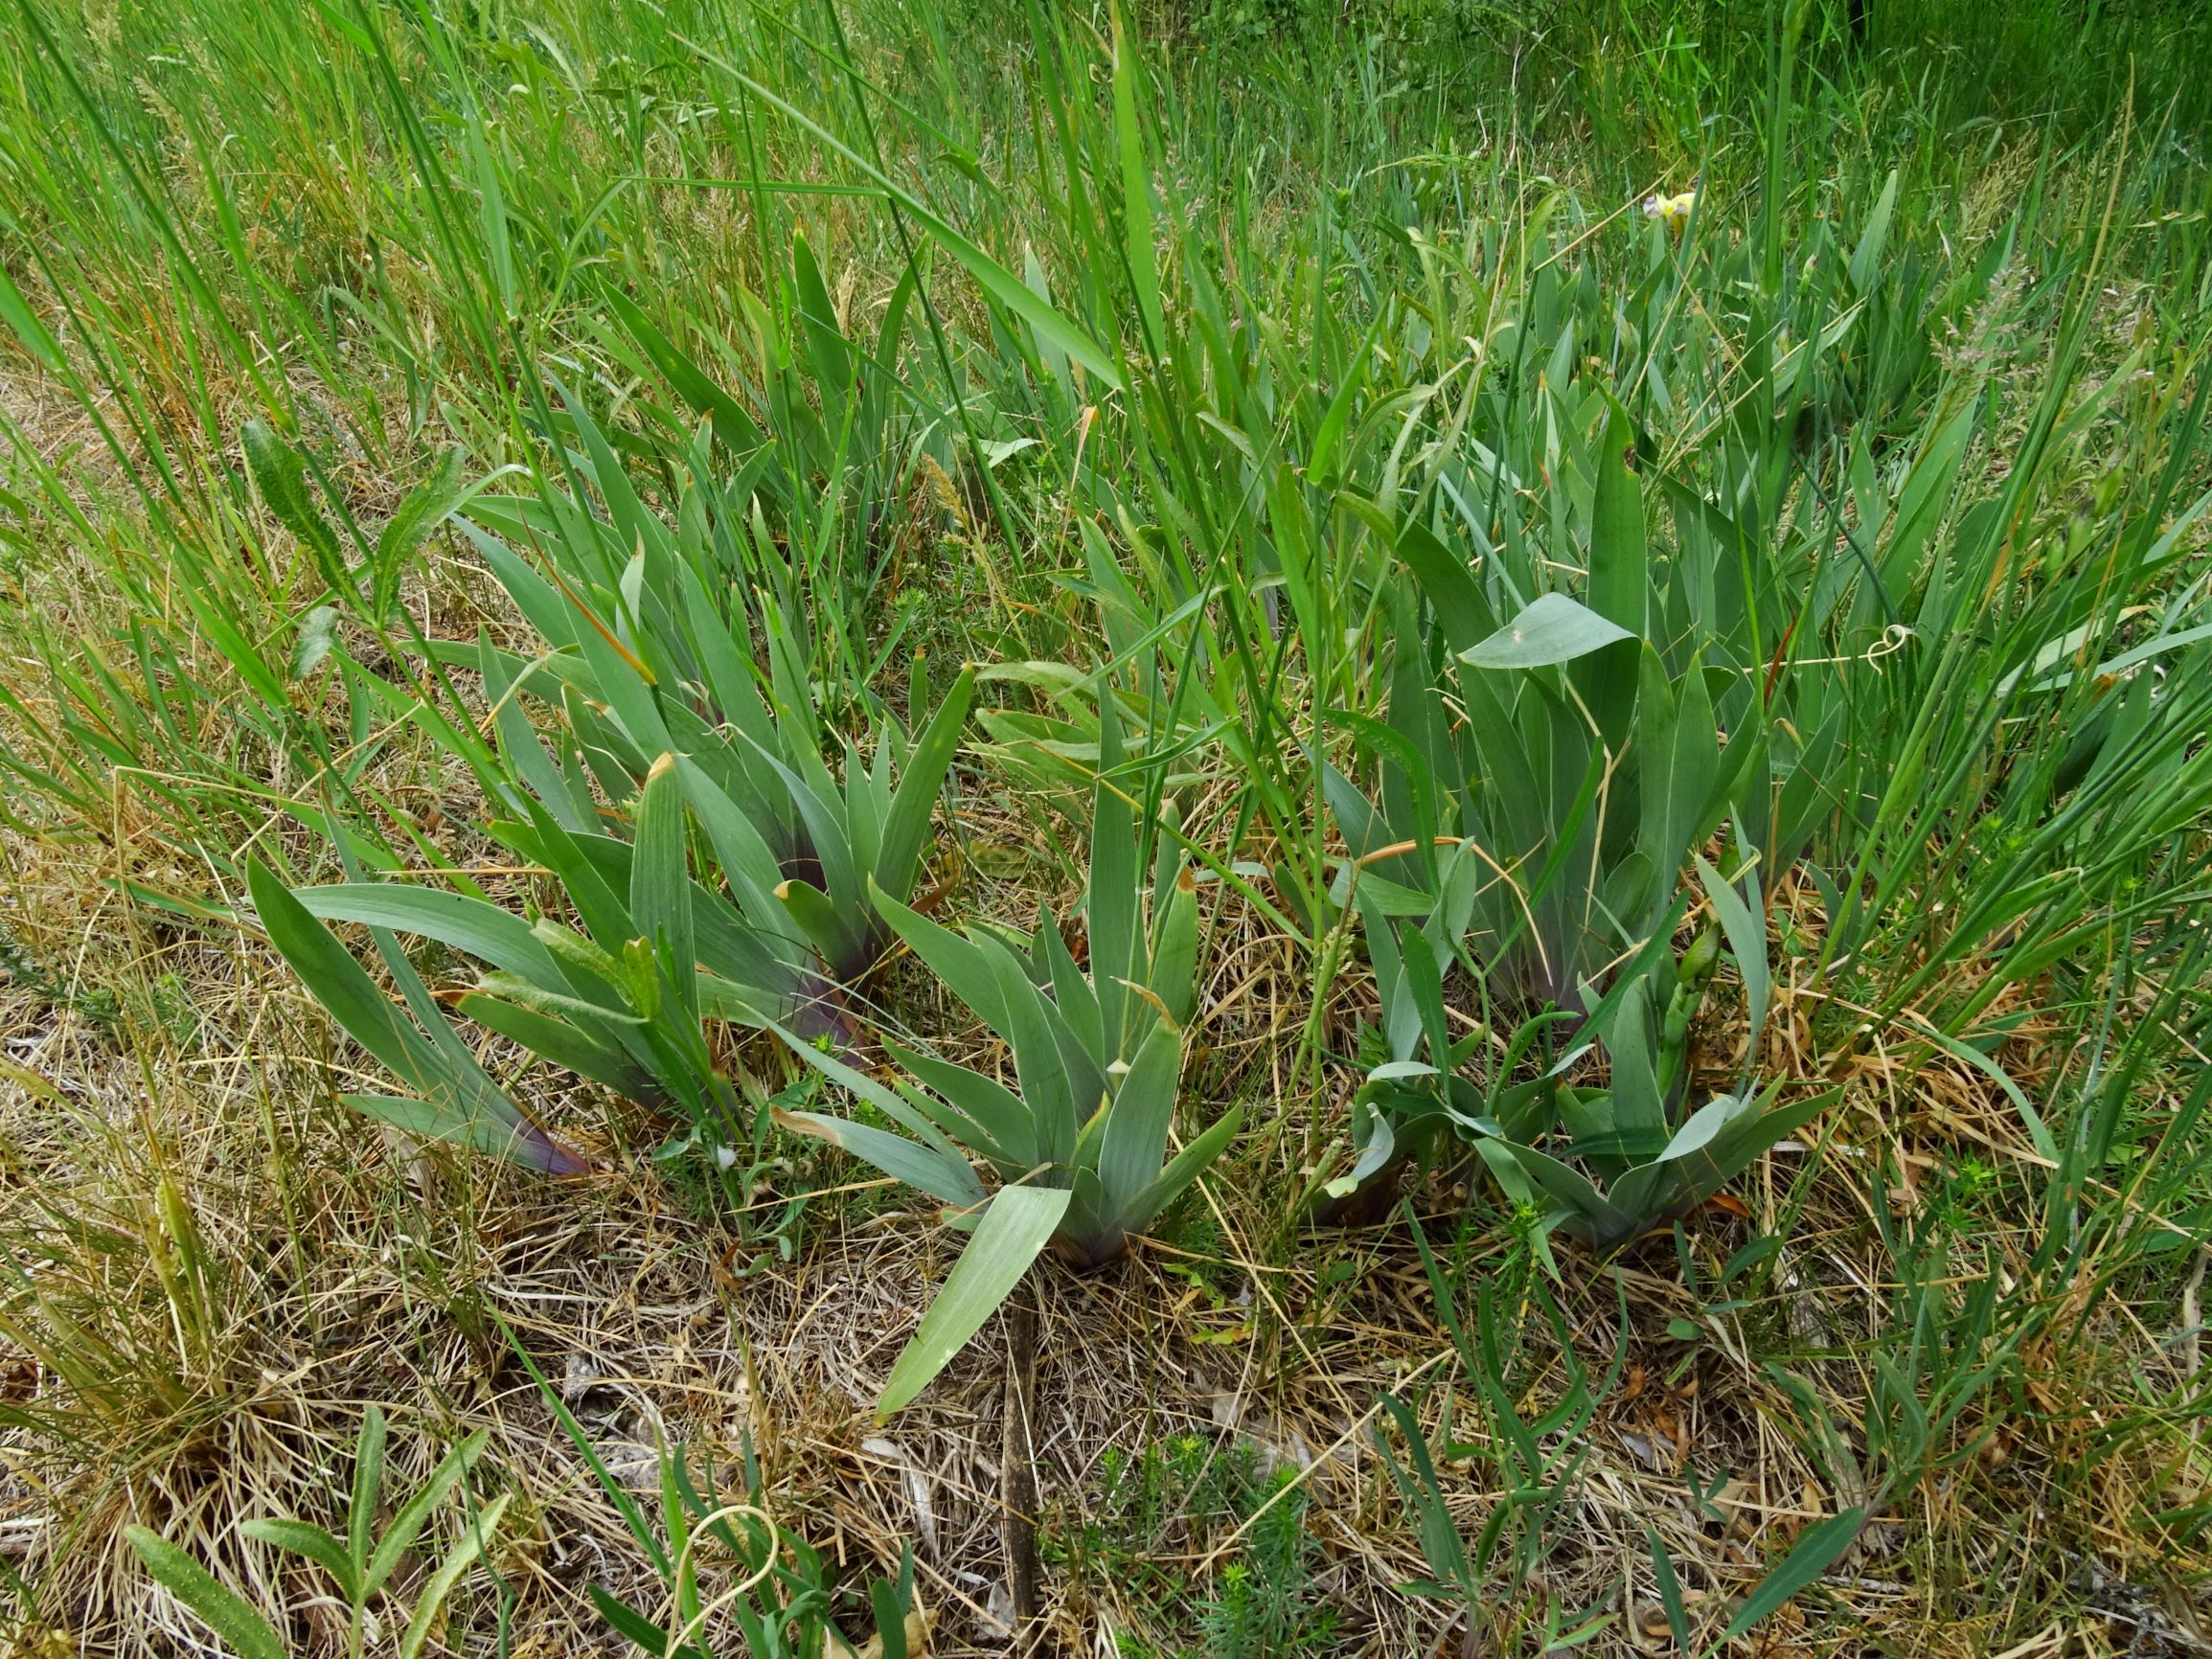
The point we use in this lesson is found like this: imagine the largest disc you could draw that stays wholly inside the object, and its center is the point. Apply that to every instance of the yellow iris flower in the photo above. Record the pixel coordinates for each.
(1673, 210)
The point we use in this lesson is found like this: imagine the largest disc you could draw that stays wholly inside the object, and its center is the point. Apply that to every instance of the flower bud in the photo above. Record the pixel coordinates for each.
(1700, 959)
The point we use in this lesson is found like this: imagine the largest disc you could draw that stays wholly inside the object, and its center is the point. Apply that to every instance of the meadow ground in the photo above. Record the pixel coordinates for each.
(650, 652)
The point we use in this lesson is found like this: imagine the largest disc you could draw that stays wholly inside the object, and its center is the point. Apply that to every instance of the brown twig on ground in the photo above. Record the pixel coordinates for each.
(1018, 1468)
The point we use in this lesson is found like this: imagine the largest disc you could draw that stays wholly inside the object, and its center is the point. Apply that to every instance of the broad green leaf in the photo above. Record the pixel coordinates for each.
(434, 1120)
(459, 1104)
(1048, 1086)
(1016, 1227)
(1137, 1123)
(997, 1112)
(831, 927)
(416, 1512)
(1321, 461)
(1112, 894)
(1186, 1166)
(1391, 1071)
(1174, 967)
(1866, 258)
(737, 429)
(1375, 1143)
(1746, 932)
(1620, 582)
(888, 1600)
(1745, 1134)
(586, 867)
(559, 1043)
(36, 338)
(1670, 1592)
(749, 864)
(642, 1632)
(956, 961)
(485, 931)
(906, 825)
(1603, 1225)
(1638, 1110)
(750, 1005)
(945, 1179)
(660, 896)
(942, 1173)
(1450, 584)
(1078, 1001)
(311, 1542)
(1619, 587)
(830, 352)
(1136, 187)
(1554, 628)
(425, 507)
(245, 1631)
(1679, 759)
(822, 809)
(368, 1489)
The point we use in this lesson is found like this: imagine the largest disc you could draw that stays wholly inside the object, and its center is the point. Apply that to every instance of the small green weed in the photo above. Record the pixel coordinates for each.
(95, 1004)
(1155, 1513)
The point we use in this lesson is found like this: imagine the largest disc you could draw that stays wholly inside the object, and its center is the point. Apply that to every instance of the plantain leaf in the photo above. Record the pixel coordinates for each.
(476, 1533)
(220, 1608)
(368, 1489)
(280, 474)
(417, 1510)
(427, 506)
(311, 1542)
